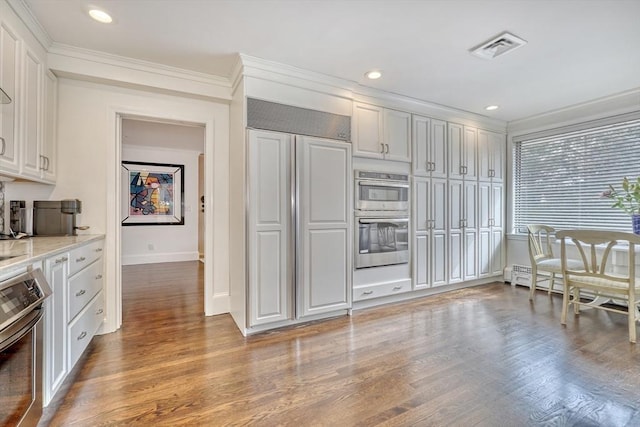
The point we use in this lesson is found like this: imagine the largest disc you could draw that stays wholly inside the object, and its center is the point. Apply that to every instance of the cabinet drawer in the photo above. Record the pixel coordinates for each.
(83, 287)
(381, 289)
(81, 257)
(84, 327)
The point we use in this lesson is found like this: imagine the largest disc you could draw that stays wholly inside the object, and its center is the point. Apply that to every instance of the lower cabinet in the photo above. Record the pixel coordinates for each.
(74, 311)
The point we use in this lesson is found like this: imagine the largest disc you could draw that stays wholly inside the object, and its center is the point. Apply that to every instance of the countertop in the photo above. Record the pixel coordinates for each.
(28, 250)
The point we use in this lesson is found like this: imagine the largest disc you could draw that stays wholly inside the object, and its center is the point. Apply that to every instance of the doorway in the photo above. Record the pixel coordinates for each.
(154, 244)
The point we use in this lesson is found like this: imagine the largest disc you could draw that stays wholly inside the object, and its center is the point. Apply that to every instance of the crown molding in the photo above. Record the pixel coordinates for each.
(78, 62)
(23, 11)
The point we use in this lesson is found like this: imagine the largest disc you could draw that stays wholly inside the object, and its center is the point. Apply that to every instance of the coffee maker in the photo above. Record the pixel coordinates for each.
(18, 217)
(56, 217)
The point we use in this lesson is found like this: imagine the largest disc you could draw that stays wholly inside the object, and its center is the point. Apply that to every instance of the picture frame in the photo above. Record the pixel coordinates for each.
(152, 193)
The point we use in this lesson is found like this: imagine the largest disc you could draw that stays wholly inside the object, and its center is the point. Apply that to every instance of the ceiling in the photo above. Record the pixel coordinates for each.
(577, 51)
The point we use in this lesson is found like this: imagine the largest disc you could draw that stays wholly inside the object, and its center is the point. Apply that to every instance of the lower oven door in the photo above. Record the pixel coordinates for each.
(381, 241)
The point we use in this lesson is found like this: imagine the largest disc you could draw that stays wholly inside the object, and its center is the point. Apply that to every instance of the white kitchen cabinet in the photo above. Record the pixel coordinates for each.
(300, 260)
(55, 350)
(430, 149)
(491, 228)
(463, 230)
(463, 151)
(10, 54)
(48, 155)
(381, 133)
(491, 149)
(430, 227)
(74, 311)
(32, 162)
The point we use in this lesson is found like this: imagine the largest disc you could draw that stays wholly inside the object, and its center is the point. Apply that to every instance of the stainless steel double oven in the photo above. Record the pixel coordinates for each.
(381, 218)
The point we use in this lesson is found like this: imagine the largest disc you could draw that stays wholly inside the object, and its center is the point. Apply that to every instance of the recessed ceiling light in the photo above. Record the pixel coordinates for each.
(372, 75)
(491, 107)
(100, 16)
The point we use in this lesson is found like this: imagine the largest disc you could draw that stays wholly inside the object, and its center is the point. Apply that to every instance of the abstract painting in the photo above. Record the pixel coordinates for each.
(152, 194)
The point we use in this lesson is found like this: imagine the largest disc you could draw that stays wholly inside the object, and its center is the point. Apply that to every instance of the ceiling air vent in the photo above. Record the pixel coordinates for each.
(505, 42)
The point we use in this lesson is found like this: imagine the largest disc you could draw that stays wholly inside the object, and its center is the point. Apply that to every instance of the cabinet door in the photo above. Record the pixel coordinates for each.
(421, 262)
(470, 155)
(438, 258)
(421, 146)
(497, 207)
(421, 203)
(367, 131)
(484, 252)
(55, 337)
(455, 256)
(30, 139)
(470, 253)
(485, 155)
(497, 256)
(497, 156)
(49, 140)
(485, 205)
(439, 149)
(397, 131)
(9, 72)
(456, 151)
(438, 242)
(269, 227)
(324, 215)
(470, 207)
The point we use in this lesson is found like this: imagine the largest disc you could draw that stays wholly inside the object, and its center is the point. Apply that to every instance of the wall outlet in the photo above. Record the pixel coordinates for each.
(151, 247)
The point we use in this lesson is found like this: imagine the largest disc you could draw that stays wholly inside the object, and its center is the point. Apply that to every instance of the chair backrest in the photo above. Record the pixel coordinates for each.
(540, 242)
(595, 249)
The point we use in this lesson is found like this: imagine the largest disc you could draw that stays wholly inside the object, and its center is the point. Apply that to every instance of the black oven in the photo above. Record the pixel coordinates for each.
(21, 314)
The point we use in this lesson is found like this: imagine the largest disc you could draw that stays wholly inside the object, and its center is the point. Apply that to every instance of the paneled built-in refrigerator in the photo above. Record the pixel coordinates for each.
(299, 236)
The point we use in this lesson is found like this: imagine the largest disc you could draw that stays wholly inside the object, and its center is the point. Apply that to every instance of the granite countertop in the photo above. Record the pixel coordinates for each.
(16, 253)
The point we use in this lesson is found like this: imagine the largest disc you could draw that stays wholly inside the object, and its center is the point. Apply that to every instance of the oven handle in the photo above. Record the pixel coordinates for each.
(382, 184)
(379, 220)
(18, 329)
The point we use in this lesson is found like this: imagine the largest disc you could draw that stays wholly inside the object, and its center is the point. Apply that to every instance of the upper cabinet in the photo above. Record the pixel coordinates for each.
(491, 149)
(27, 123)
(429, 147)
(10, 48)
(463, 151)
(381, 133)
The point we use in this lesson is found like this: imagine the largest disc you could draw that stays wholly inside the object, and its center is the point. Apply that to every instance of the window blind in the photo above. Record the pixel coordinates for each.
(559, 179)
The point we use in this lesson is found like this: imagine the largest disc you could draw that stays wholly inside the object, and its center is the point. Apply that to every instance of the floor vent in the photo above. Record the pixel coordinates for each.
(521, 275)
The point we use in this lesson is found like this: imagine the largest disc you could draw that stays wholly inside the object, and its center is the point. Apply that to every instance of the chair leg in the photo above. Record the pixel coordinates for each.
(552, 280)
(534, 279)
(565, 305)
(632, 324)
(576, 299)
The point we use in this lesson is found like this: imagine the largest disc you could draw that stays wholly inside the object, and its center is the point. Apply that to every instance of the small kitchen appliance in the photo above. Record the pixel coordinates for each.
(56, 217)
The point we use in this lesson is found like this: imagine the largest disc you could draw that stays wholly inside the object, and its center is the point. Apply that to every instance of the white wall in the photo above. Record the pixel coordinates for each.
(146, 244)
(88, 161)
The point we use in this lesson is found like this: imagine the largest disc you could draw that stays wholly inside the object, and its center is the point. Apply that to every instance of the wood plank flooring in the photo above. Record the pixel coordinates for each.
(483, 356)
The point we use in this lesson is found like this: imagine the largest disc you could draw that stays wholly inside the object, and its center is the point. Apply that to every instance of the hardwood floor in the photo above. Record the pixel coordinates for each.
(481, 356)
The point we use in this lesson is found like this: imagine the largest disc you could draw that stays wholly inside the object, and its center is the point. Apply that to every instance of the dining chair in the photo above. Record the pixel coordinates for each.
(542, 258)
(605, 281)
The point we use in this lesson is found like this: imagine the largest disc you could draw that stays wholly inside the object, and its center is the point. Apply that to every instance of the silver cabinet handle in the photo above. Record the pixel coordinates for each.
(433, 166)
(81, 292)
(99, 276)
(80, 259)
(82, 335)
(3, 146)
(387, 148)
(46, 168)
(367, 292)
(63, 259)
(397, 288)
(99, 250)
(381, 148)
(100, 311)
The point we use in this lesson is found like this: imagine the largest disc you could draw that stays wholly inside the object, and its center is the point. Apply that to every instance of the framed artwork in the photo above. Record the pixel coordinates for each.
(152, 194)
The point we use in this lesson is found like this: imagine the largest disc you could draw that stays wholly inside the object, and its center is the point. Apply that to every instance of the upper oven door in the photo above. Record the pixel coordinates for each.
(381, 195)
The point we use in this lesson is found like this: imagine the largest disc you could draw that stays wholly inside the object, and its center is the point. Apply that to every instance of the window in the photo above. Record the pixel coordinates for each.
(559, 179)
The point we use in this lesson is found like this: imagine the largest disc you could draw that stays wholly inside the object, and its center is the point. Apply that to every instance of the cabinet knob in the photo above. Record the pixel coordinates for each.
(81, 292)
(100, 311)
(80, 259)
(99, 250)
(99, 276)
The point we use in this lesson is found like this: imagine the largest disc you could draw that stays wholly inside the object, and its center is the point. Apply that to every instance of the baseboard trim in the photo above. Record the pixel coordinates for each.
(159, 258)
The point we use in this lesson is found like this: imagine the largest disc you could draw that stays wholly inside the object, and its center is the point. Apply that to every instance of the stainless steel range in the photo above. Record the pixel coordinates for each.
(21, 314)
(381, 218)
